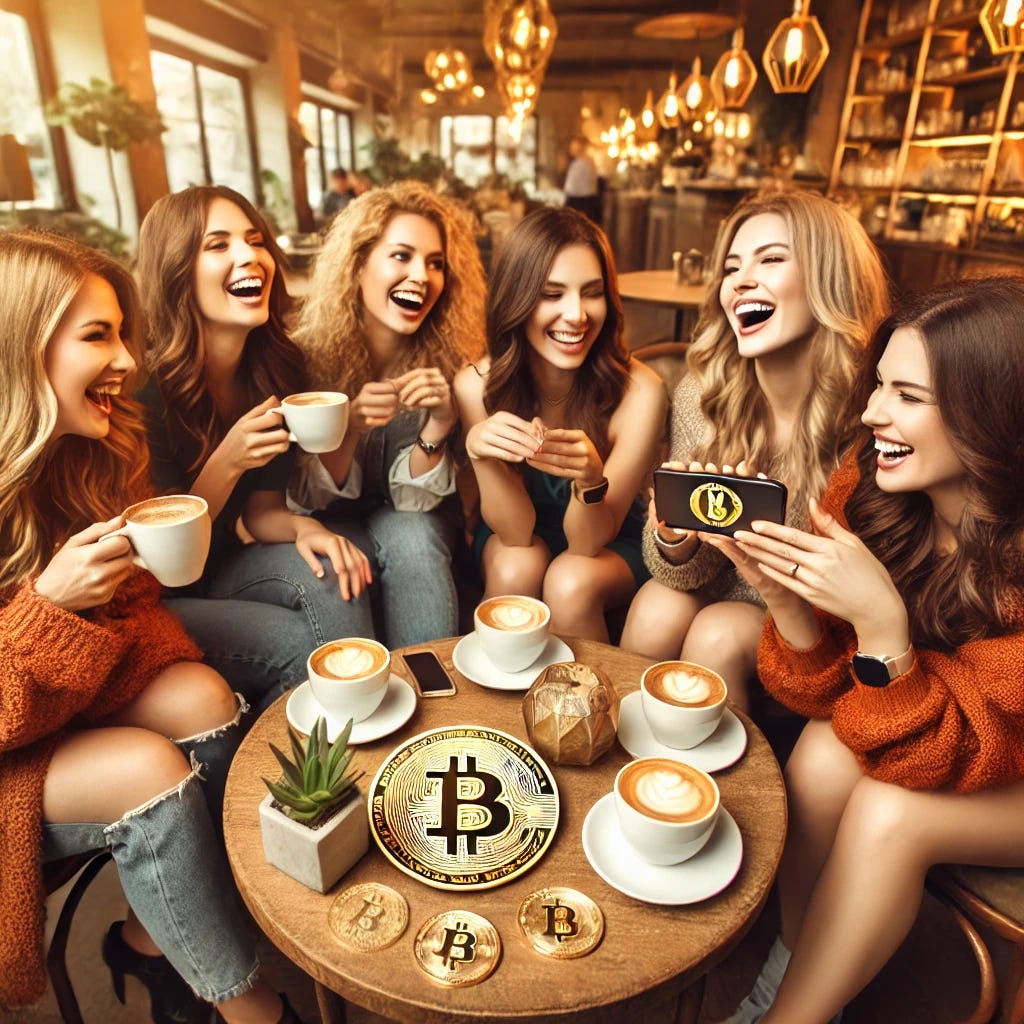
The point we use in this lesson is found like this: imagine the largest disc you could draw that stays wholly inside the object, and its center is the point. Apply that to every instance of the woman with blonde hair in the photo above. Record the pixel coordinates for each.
(107, 718)
(219, 360)
(395, 308)
(797, 287)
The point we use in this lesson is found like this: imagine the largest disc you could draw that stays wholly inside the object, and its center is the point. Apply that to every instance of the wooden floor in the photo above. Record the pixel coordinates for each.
(931, 981)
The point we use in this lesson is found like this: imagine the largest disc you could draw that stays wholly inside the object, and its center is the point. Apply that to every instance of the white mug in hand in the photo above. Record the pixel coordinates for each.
(317, 420)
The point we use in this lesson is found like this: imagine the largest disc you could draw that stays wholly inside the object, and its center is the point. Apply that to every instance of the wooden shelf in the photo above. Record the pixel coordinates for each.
(967, 77)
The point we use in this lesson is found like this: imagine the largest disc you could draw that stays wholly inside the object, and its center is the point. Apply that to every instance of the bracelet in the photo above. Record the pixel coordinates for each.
(669, 544)
(432, 447)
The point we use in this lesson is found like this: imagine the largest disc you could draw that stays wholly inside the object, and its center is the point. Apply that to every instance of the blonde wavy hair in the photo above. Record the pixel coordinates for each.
(330, 330)
(50, 488)
(848, 295)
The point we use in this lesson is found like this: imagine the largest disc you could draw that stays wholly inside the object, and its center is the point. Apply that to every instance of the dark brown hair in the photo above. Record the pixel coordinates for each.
(169, 243)
(972, 335)
(517, 282)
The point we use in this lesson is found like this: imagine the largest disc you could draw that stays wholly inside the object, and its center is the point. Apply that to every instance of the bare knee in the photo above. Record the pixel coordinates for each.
(514, 570)
(821, 769)
(569, 589)
(206, 702)
(878, 817)
(658, 621)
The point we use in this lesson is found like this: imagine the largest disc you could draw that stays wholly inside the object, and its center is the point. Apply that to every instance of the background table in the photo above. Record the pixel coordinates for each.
(659, 288)
(650, 955)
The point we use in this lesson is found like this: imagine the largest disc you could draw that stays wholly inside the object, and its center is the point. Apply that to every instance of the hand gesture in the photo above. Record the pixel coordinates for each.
(255, 438)
(374, 406)
(349, 563)
(569, 453)
(505, 437)
(85, 571)
(427, 388)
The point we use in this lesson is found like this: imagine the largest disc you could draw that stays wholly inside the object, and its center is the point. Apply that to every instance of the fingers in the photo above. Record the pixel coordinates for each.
(93, 533)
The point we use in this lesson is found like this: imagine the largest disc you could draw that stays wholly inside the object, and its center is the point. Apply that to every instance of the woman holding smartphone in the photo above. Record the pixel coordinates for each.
(896, 624)
(797, 288)
(561, 426)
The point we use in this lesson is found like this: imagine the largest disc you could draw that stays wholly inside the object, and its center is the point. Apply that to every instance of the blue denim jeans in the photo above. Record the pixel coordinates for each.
(411, 555)
(263, 615)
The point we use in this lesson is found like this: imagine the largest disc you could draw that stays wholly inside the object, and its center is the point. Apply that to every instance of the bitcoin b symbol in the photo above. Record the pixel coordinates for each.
(561, 921)
(369, 914)
(469, 805)
(458, 947)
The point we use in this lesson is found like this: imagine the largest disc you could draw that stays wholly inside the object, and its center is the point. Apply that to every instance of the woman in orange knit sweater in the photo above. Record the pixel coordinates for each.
(897, 626)
(103, 701)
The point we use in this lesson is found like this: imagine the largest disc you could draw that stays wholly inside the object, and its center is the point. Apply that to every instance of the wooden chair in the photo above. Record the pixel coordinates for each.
(55, 874)
(994, 899)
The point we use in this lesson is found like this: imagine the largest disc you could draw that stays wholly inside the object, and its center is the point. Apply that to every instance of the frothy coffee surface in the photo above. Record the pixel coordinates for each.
(685, 684)
(162, 511)
(311, 398)
(512, 613)
(667, 790)
(348, 659)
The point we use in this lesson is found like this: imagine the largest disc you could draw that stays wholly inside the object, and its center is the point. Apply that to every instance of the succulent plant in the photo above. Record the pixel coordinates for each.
(314, 780)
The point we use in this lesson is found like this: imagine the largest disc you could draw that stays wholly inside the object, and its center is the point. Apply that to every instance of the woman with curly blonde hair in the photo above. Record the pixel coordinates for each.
(395, 309)
(797, 289)
(97, 681)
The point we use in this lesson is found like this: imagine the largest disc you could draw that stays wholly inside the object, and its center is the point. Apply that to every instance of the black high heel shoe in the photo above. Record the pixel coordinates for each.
(171, 1001)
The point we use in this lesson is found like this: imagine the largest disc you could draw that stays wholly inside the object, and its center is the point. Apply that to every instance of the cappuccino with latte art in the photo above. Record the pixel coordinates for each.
(349, 677)
(682, 702)
(690, 686)
(512, 630)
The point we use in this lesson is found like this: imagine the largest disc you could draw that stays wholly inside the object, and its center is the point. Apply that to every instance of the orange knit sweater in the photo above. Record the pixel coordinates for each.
(954, 721)
(59, 668)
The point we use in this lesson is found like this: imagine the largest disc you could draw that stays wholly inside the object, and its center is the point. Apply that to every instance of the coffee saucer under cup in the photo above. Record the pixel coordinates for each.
(704, 875)
(469, 658)
(724, 747)
(394, 711)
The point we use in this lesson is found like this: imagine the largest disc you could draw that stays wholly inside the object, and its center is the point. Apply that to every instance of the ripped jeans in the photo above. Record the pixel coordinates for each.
(174, 872)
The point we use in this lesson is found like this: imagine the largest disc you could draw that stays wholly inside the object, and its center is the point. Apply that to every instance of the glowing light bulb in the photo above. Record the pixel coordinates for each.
(794, 50)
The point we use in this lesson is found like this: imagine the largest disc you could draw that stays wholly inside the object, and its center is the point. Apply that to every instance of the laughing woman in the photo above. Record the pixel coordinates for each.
(102, 699)
(562, 426)
(395, 309)
(219, 359)
(897, 626)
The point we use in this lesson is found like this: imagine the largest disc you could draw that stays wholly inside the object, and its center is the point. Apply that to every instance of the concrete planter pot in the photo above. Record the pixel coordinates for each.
(316, 857)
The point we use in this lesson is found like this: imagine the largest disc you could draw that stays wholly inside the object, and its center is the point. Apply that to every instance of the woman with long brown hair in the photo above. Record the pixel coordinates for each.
(220, 359)
(561, 426)
(107, 718)
(897, 627)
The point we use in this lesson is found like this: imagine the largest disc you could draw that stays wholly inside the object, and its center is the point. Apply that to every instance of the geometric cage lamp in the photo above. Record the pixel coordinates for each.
(796, 51)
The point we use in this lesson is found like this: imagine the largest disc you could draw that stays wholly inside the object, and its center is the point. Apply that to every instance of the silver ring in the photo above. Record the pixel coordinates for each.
(793, 568)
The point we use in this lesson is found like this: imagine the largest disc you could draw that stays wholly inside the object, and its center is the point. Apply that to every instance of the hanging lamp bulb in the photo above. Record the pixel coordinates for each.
(667, 110)
(697, 103)
(1002, 21)
(734, 76)
(796, 51)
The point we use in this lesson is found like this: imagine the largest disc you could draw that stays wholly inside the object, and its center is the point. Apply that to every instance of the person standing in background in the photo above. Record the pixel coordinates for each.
(338, 195)
(582, 188)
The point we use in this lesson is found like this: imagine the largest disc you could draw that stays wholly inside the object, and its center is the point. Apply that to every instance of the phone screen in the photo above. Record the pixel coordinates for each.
(431, 678)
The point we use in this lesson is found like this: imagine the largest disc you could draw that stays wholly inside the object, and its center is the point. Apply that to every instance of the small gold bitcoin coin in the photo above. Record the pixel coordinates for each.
(457, 948)
(561, 923)
(368, 917)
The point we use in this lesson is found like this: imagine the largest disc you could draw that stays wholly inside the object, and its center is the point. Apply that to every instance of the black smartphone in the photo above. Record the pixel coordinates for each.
(715, 502)
(429, 674)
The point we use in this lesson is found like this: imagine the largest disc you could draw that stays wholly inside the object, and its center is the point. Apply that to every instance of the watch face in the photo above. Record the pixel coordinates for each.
(595, 494)
(870, 671)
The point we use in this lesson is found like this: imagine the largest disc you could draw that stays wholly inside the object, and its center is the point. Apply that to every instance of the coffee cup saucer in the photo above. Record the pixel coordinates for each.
(469, 658)
(724, 747)
(704, 875)
(395, 710)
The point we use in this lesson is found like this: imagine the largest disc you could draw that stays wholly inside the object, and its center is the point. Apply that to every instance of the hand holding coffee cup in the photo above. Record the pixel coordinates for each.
(683, 702)
(512, 630)
(317, 420)
(170, 537)
(349, 677)
(667, 810)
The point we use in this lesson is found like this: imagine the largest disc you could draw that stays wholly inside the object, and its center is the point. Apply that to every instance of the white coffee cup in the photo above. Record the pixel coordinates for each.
(667, 810)
(317, 420)
(512, 630)
(349, 677)
(170, 536)
(683, 702)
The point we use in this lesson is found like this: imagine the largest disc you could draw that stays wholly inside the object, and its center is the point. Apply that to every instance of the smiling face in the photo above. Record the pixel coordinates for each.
(914, 451)
(86, 360)
(762, 292)
(404, 275)
(233, 271)
(571, 309)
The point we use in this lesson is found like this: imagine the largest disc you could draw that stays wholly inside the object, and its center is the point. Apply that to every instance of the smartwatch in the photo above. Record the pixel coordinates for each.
(872, 670)
(591, 495)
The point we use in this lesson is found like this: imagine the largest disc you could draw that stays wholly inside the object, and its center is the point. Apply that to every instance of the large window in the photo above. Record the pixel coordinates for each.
(21, 118)
(329, 133)
(207, 141)
(475, 146)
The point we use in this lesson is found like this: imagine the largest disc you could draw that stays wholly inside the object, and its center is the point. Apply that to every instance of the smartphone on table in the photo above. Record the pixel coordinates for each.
(429, 675)
(716, 502)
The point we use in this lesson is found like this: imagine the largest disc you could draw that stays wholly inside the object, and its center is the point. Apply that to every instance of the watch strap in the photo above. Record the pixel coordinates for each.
(431, 447)
(590, 495)
(874, 670)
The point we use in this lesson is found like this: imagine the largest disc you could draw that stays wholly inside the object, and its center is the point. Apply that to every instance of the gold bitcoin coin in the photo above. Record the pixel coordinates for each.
(457, 948)
(561, 923)
(368, 917)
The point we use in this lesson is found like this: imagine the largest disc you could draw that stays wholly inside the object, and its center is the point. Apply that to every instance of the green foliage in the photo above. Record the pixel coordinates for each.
(103, 114)
(79, 226)
(314, 780)
(389, 162)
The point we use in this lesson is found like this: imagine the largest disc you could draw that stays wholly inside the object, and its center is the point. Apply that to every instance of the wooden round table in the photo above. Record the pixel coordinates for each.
(651, 957)
(660, 288)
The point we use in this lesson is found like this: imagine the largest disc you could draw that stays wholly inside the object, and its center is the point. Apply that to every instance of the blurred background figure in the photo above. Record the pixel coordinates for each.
(582, 187)
(338, 194)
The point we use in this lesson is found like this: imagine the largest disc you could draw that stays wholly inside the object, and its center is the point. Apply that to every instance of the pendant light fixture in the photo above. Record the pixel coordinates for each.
(796, 51)
(733, 78)
(1002, 21)
(667, 110)
(697, 103)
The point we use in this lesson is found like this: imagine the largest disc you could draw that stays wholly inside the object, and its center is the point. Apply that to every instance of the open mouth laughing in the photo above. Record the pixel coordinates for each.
(751, 314)
(246, 288)
(569, 339)
(407, 299)
(101, 394)
(890, 453)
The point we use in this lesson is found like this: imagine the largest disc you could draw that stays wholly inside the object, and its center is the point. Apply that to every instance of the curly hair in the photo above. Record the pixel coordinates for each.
(848, 294)
(53, 487)
(971, 334)
(330, 329)
(517, 282)
(169, 244)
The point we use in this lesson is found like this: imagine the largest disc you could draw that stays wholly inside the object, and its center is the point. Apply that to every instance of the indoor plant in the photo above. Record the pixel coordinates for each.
(313, 821)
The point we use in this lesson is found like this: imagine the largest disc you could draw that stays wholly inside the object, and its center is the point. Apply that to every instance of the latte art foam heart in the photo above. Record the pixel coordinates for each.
(686, 688)
(349, 662)
(668, 793)
(514, 616)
